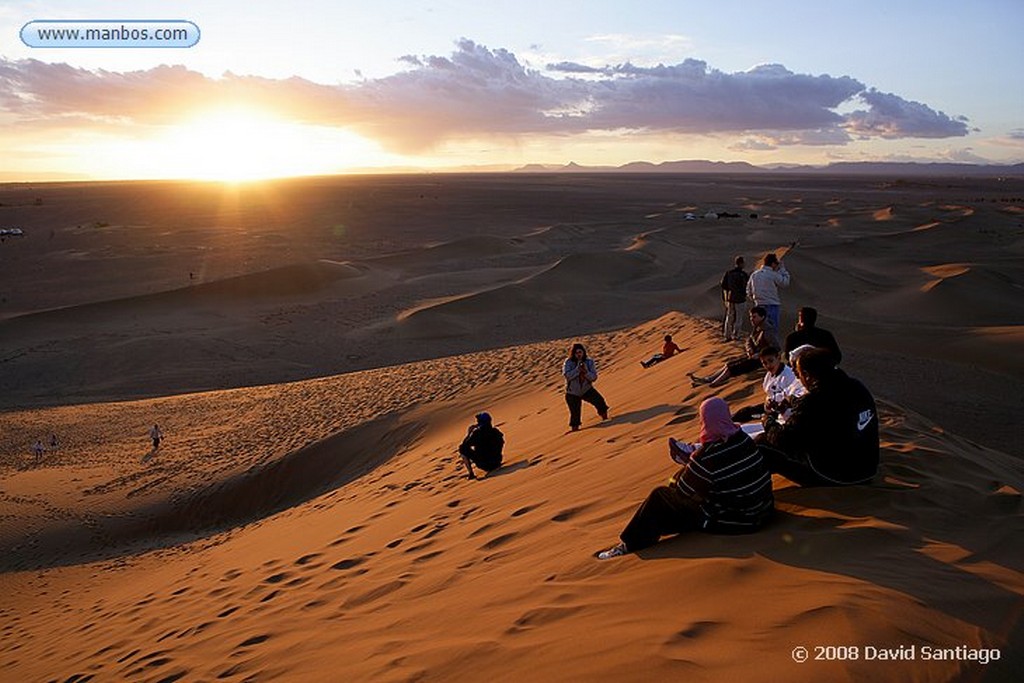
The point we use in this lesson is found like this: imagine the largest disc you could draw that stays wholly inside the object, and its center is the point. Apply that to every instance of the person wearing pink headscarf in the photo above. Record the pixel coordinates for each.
(724, 487)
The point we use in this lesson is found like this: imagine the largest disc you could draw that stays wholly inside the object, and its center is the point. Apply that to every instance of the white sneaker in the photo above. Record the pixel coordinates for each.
(617, 550)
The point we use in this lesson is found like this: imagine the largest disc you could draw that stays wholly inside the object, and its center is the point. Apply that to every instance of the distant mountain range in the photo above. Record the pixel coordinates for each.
(841, 168)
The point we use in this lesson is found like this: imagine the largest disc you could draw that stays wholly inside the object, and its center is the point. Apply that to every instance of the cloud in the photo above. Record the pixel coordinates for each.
(890, 116)
(478, 92)
(770, 140)
(753, 145)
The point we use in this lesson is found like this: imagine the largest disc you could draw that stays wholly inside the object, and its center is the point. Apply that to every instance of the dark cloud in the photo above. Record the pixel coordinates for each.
(477, 92)
(890, 116)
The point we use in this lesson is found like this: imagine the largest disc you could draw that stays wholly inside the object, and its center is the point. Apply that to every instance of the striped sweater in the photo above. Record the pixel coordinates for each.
(731, 483)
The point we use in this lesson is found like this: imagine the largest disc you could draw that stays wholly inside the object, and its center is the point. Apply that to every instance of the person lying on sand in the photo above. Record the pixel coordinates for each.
(723, 487)
(668, 349)
(482, 446)
(781, 388)
(831, 435)
(761, 336)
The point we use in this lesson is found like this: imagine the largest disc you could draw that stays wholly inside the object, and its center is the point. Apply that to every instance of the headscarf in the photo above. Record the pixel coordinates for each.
(715, 421)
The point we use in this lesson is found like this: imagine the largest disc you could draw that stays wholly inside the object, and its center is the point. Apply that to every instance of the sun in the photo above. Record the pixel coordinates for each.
(238, 144)
(234, 144)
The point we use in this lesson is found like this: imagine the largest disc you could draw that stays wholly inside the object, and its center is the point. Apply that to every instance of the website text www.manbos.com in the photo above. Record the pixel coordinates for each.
(114, 34)
(47, 33)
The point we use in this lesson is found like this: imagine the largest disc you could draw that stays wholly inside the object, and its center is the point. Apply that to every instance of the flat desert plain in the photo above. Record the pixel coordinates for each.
(313, 350)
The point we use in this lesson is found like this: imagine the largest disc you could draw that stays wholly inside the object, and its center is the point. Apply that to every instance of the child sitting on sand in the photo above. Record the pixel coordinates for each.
(482, 446)
(781, 388)
(668, 350)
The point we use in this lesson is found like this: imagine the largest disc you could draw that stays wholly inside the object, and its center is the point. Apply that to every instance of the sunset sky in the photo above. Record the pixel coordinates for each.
(321, 86)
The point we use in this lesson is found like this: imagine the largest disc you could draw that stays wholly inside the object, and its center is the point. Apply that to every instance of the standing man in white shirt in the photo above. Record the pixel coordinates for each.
(763, 286)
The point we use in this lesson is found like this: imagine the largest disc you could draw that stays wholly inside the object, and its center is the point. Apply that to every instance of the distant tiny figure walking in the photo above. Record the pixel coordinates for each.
(54, 445)
(763, 286)
(668, 349)
(734, 298)
(38, 449)
(482, 446)
(580, 374)
(156, 435)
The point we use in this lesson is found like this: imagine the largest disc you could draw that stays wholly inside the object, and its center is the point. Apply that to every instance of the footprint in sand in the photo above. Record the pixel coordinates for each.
(482, 530)
(374, 594)
(540, 617)
(255, 640)
(306, 559)
(395, 543)
(498, 541)
(524, 510)
(419, 546)
(428, 556)
(438, 528)
(569, 513)
(694, 630)
(277, 578)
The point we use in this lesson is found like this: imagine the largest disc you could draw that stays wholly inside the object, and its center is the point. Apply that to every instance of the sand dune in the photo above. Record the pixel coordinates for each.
(305, 518)
(366, 554)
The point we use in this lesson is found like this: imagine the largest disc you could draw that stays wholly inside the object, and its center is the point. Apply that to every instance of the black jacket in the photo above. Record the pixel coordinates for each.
(734, 285)
(815, 336)
(833, 429)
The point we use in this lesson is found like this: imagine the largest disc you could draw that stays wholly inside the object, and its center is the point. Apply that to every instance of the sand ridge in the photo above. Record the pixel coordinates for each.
(368, 553)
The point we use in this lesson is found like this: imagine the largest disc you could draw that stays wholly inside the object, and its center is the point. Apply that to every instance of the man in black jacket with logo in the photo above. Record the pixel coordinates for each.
(831, 436)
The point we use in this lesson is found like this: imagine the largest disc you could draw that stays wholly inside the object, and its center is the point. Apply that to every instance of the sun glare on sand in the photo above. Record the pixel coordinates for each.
(235, 145)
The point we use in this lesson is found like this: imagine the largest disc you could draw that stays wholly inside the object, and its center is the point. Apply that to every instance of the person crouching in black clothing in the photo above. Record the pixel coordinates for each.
(831, 436)
(482, 446)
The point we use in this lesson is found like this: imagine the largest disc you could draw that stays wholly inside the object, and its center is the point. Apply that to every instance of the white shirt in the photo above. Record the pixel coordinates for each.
(783, 385)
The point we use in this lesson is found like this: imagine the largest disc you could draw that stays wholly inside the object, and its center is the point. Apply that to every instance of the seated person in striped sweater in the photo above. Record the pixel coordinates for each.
(724, 487)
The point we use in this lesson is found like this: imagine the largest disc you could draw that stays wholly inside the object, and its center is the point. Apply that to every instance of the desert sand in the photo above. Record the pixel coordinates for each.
(314, 350)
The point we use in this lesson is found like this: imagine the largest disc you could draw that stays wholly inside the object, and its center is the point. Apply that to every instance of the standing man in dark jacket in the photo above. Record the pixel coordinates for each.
(482, 446)
(831, 436)
(734, 298)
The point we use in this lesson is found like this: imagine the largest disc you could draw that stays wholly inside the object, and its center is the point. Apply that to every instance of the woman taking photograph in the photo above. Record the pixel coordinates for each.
(580, 374)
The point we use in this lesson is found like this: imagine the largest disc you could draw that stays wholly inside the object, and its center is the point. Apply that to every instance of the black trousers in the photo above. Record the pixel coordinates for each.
(485, 461)
(792, 467)
(575, 403)
(666, 511)
(748, 413)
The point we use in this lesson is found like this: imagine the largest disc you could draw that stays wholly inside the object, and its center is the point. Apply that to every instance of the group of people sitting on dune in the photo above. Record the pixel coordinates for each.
(816, 426)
